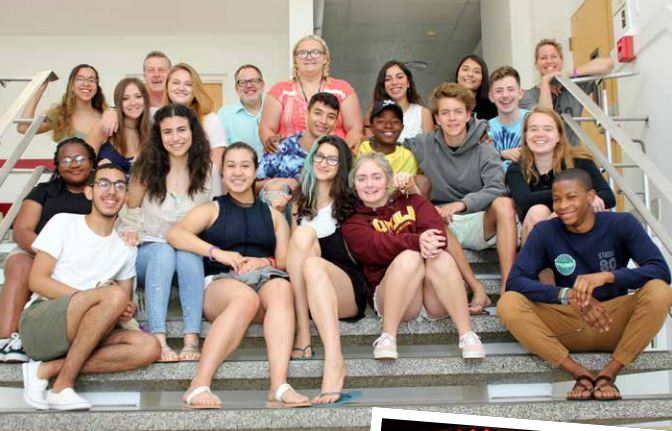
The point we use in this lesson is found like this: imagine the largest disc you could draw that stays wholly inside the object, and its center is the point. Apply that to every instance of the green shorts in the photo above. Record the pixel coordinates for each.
(468, 229)
(43, 329)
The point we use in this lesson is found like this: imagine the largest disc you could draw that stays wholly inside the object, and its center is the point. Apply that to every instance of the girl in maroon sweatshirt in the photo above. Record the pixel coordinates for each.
(400, 239)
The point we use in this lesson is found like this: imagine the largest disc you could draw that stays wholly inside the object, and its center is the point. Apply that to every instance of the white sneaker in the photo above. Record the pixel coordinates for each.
(471, 346)
(3, 344)
(67, 399)
(385, 347)
(34, 388)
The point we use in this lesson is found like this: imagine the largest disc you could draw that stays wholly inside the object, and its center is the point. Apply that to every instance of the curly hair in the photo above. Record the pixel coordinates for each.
(60, 116)
(153, 164)
(563, 153)
(344, 200)
(118, 139)
(56, 177)
(379, 92)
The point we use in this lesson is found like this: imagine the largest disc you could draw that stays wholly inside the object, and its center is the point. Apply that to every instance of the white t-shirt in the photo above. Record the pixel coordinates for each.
(84, 258)
(323, 223)
(214, 130)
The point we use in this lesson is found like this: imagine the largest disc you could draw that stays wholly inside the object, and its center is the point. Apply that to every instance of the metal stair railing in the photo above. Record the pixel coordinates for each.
(6, 121)
(629, 147)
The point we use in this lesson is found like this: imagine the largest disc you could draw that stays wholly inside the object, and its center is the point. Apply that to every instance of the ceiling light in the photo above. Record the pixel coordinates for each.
(416, 65)
(431, 33)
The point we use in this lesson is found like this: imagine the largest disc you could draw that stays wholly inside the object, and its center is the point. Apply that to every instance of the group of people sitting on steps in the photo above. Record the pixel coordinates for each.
(296, 209)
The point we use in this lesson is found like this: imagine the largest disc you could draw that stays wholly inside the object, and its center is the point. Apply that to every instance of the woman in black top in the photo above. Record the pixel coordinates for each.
(244, 243)
(472, 74)
(63, 193)
(545, 152)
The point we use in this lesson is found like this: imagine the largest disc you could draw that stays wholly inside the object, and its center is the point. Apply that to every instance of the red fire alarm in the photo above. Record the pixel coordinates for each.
(626, 49)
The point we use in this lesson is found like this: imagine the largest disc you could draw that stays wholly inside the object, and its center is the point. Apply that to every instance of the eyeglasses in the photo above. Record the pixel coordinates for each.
(69, 161)
(313, 53)
(105, 184)
(331, 160)
(84, 79)
(245, 82)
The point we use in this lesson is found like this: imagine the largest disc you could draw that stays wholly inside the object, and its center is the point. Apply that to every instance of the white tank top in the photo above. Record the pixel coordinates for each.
(323, 223)
(412, 122)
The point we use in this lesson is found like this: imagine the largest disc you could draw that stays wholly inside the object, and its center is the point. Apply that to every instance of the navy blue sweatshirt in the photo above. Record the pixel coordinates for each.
(608, 246)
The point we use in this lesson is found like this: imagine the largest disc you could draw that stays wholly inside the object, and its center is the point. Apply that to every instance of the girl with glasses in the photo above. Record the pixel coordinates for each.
(79, 111)
(63, 193)
(326, 279)
(285, 106)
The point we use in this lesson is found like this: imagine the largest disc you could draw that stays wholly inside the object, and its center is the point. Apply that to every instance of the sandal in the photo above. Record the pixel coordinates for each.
(188, 398)
(279, 402)
(168, 355)
(608, 383)
(303, 353)
(189, 353)
(581, 384)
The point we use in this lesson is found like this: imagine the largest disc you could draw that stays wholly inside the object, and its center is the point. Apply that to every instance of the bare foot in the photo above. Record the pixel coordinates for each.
(168, 354)
(332, 382)
(583, 389)
(289, 398)
(189, 353)
(478, 302)
(605, 389)
(302, 352)
(203, 399)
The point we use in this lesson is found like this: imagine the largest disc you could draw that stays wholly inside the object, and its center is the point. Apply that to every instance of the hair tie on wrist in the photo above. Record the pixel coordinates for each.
(212, 250)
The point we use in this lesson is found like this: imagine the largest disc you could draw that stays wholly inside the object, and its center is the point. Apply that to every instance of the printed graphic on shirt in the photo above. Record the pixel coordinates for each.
(397, 222)
(607, 260)
(565, 264)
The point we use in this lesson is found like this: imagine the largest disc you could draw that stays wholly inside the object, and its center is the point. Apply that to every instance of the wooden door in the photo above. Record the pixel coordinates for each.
(215, 91)
(592, 36)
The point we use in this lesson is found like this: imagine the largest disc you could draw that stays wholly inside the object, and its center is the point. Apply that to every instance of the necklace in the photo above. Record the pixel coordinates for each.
(305, 98)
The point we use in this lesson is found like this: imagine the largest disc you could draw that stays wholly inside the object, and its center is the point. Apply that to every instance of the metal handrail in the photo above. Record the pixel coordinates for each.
(648, 217)
(26, 95)
(615, 75)
(628, 146)
(14, 209)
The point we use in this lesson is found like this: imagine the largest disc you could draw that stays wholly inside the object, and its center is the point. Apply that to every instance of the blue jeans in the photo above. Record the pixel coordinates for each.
(156, 264)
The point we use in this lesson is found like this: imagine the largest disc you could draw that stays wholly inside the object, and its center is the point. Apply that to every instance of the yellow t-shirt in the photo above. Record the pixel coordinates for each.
(401, 160)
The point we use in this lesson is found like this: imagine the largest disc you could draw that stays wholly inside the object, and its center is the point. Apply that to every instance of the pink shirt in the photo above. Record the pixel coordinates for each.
(294, 105)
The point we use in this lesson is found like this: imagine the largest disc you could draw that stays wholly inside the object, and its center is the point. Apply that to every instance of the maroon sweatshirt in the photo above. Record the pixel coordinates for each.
(376, 237)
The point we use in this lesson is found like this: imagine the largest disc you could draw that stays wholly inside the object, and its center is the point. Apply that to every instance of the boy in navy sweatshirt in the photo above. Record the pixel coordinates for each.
(588, 307)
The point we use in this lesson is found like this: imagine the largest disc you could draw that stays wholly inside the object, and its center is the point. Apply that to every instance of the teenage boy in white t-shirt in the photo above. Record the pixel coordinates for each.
(82, 283)
(506, 129)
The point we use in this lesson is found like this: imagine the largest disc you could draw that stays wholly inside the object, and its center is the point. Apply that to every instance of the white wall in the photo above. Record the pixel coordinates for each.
(511, 29)
(116, 56)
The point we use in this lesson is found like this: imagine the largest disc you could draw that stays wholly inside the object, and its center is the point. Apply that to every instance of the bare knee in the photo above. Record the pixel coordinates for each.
(504, 208)
(409, 262)
(536, 214)
(444, 262)
(303, 238)
(246, 302)
(280, 291)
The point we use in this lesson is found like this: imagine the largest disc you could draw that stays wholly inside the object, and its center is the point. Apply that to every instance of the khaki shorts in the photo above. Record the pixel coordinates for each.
(468, 229)
(43, 328)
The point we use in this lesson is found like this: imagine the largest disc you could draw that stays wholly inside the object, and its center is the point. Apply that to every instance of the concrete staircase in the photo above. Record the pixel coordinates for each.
(429, 375)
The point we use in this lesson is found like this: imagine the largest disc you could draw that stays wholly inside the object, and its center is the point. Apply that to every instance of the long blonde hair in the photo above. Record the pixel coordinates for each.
(202, 103)
(325, 48)
(563, 153)
(60, 116)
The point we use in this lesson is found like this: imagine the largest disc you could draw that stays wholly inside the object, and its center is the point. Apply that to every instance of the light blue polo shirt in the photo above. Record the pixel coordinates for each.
(240, 125)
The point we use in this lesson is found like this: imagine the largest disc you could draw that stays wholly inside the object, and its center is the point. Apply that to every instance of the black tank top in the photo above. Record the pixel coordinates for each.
(247, 230)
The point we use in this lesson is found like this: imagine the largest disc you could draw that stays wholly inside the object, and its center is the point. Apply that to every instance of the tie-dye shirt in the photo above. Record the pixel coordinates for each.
(506, 137)
(286, 162)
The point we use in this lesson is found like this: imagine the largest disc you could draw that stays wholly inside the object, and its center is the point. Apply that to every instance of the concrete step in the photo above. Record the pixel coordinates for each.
(417, 366)
(367, 329)
(356, 416)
